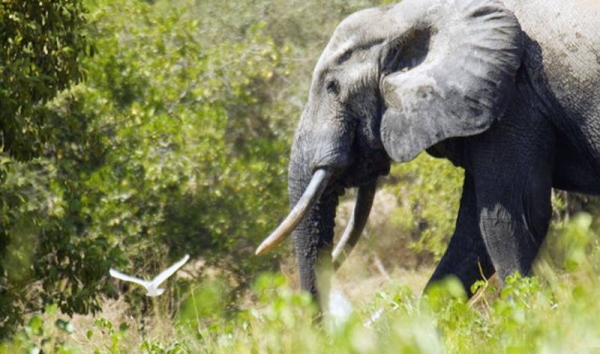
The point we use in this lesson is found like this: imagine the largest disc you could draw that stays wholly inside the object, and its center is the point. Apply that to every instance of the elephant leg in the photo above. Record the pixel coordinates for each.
(466, 257)
(513, 171)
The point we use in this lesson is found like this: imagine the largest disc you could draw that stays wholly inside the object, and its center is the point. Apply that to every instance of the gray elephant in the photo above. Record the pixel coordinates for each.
(509, 91)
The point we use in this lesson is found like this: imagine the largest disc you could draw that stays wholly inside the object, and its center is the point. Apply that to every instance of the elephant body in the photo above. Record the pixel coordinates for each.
(509, 91)
(549, 137)
(562, 60)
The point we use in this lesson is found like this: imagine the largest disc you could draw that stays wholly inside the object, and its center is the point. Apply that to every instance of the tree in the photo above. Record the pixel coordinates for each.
(42, 45)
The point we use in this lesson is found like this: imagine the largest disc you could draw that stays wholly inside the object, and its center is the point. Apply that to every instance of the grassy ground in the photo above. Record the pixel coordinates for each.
(554, 312)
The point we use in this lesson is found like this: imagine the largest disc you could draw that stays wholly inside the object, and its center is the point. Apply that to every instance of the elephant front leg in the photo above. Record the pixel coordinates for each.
(466, 257)
(513, 225)
(512, 172)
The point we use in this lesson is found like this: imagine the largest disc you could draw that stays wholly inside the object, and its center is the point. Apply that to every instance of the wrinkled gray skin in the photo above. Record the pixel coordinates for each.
(509, 91)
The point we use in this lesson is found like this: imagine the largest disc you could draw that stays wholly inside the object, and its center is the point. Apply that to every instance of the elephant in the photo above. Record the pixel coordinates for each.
(508, 90)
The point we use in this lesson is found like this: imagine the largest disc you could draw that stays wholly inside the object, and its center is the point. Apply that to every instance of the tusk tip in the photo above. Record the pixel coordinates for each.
(262, 249)
(269, 243)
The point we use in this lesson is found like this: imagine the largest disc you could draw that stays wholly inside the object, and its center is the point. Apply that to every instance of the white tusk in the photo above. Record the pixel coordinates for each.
(311, 195)
(356, 225)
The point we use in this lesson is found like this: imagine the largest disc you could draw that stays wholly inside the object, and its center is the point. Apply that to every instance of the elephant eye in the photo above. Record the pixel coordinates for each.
(345, 57)
(333, 87)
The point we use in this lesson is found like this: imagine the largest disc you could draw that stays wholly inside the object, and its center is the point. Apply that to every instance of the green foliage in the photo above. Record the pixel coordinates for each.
(42, 335)
(177, 142)
(42, 46)
(205, 303)
(110, 335)
(552, 312)
(151, 158)
(428, 191)
(178, 172)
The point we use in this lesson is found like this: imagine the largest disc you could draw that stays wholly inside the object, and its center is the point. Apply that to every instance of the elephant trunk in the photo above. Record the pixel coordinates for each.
(313, 236)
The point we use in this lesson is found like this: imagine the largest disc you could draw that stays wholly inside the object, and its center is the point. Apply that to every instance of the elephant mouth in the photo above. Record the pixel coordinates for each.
(319, 182)
(365, 171)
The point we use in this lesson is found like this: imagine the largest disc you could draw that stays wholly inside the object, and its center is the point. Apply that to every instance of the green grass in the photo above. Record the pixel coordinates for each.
(556, 311)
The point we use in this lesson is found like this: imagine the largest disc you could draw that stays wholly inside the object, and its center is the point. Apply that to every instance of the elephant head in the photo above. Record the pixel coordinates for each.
(392, 82)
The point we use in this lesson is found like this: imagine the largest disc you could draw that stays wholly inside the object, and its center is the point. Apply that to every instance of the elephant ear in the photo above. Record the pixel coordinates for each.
(451, 75)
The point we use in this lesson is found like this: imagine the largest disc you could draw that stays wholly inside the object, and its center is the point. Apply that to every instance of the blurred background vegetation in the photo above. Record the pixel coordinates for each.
(134, 131)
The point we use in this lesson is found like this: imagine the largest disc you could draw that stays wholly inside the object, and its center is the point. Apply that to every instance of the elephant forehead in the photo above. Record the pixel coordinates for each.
(359, 22)
(357, 31)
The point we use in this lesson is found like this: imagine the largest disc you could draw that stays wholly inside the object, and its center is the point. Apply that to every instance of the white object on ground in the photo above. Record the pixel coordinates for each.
(152, 286)
(340, 308)
(374, 317)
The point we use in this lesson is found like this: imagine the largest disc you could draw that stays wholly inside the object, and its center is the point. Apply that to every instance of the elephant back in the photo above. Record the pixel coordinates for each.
(562, 58)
